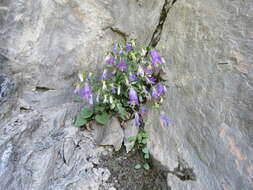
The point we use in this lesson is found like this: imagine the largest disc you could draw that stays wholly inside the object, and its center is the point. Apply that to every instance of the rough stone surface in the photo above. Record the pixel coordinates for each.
(209, 47)
(109, 135)
(43, 44)
(130, 131)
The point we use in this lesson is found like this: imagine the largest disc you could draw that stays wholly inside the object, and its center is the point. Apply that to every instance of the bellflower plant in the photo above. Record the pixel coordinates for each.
(129, 82)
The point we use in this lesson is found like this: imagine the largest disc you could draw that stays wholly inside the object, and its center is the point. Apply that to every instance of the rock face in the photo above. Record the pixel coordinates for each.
(43, 44)
(209, 46)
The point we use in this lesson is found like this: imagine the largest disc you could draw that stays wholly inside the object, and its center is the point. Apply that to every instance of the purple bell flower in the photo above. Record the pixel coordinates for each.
(137, 120)
(110, 61)
(103, 76)
(77, 89)
(165, 120)
(143, 111)
(113, 90)
(115, 49)
(122, 66)
(129, 47)
(156, 58)
(133, 77)
(160, 89)
(148, 71)
(133, 96)
(151, 80)
(154, 93)
(87, 94)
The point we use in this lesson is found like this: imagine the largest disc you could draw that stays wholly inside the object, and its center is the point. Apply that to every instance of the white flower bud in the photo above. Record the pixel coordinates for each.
(118, 90)
(80, 75)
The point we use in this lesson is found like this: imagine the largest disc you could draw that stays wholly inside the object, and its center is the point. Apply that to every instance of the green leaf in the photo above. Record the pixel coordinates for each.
(102, 118)
(146, 166)
(146, 156)
(132, 139)
(87, 113)
(99, 108)
(137, 166)
(144, 141)
(78, 99)
(112, 106)
(80, 121)
(145, 150)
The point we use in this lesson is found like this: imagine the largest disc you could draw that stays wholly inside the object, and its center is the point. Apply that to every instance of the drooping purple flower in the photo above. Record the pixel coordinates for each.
(151, 80)
(113, 90)
(133, 96)
(111, 74)
(133, 77)
(160, 89)
(122, 66)
(110, 61)
(156, 58)
(143, 111)
(103, 76)
(86, 93)
(115, 49)
(121, 53)
(90, 100)
(137, 120)
(148, 70)
(154, 93)
(77, 89)
(165, 120)
(129, 47)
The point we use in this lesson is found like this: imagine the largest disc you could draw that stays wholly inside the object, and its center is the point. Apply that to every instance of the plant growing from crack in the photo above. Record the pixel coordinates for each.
(132, 77)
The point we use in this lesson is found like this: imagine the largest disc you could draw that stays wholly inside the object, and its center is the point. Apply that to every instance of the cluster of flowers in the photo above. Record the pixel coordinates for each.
(131, 78)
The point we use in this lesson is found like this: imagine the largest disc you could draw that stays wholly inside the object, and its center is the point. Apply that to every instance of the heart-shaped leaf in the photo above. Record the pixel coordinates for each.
(146, 166)
(146, 156)
(80, 121)
(137, 166)
(145, 150)
(102, 118)
(87, 113)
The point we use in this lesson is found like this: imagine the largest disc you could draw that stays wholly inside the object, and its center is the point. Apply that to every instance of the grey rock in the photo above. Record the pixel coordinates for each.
(130, 130)
(109, 135)
(208, 45)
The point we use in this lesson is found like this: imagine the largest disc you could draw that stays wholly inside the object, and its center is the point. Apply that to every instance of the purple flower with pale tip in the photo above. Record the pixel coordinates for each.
(122, 66)
(86, 92)
(111, 74)
(77, 89)
(143, 111)
(151, 80)
(137, 120)
(129, 47)
(110, 61)
(160, 89)
(113, 90)
(133, 96)
(115, 49)
(154, 93)
(133, 77)
(103, 76)
(90, 100)
(121, 53)
(156, 58)
(165, 120)
(148, 70)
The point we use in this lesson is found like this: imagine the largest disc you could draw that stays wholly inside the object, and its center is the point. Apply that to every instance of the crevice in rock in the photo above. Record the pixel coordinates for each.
(118, 32)
(43, 88)
(168, 4)
(184, 173)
